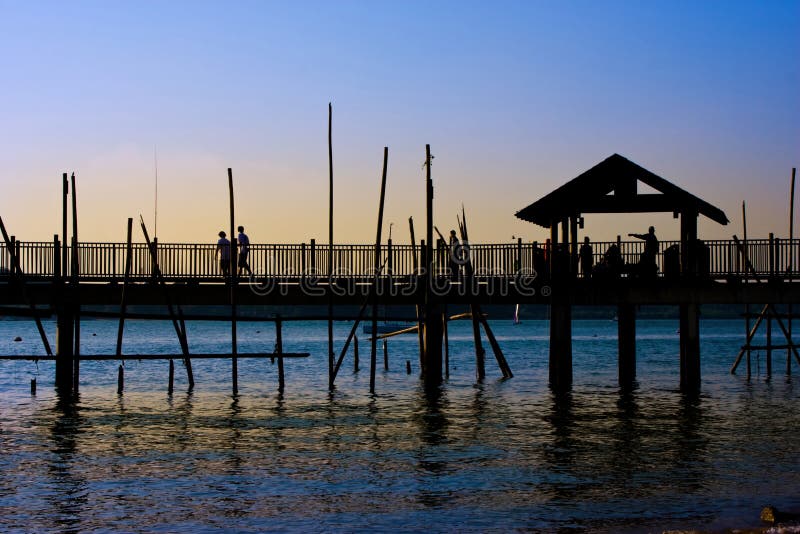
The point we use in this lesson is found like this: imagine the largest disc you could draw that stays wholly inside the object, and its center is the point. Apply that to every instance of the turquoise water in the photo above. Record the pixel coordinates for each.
(494, 456)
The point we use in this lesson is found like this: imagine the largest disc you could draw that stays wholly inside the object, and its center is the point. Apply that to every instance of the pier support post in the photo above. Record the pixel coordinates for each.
(690, 347)
(560, 345)
(65, 331)
(434, 335)
(626, 332)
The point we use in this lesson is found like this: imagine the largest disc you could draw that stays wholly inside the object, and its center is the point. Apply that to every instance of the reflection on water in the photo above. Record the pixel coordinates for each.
(496, 454)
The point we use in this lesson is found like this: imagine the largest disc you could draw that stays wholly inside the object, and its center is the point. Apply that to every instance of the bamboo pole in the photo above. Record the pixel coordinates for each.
(498, 353)
(373, 348)
(353, 329)
(355, 354)
(233, 281)
(790, 268)
(180, 328)
(76, 361)
(279, 348)
(746, 306)
(171, 377)
(64, 213)
(16, 270)
(791, 344)
(446, 343)
(418, 308)
(126, 277)
(331, 373)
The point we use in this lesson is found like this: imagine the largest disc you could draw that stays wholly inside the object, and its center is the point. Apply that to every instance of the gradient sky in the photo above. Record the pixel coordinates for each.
(515, 99)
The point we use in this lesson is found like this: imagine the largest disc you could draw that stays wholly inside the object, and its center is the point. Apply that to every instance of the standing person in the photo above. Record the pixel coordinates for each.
(455, 255)
(587, 258)
(224, 254)
(244, 251)
(647, 261)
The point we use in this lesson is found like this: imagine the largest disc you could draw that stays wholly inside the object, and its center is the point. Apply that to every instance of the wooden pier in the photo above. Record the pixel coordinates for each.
(69, 279)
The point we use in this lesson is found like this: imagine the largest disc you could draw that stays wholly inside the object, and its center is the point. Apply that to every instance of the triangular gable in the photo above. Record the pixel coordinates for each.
(611, 187)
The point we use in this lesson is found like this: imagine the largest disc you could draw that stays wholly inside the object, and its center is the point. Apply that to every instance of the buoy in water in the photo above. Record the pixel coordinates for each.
(17, 339)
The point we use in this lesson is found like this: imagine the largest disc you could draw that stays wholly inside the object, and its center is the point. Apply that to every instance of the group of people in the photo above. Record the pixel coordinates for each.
(224, 253)
(612, 261)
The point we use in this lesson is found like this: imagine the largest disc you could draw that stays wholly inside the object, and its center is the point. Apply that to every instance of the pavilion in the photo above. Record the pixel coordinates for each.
(611, 187)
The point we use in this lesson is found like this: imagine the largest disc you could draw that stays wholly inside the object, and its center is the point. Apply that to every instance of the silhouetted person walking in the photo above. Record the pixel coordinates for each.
(244, 252)
(224, 255)
(647, 261)
(587, 258)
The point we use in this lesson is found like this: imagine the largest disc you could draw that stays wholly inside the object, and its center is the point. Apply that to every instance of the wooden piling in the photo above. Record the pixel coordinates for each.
(385, 354)
(769, 346)
(790, 270)
(689, 347)
(330, 248)
(120, 379)
(446, 343)
(64, 237)
(480, 353)
(432, 371)
(419, 310)
(234, 253)
(626, 335)
(75, 281)
(560, 344)
(33, 386)
(171, 377)
(376, 264)
(279, 349)
(355, 354)
(746, 274)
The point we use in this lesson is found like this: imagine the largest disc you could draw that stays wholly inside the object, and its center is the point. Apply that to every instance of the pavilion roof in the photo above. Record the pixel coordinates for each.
(611, 187)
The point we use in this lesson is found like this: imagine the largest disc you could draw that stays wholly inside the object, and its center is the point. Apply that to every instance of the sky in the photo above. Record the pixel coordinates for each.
(515, 99)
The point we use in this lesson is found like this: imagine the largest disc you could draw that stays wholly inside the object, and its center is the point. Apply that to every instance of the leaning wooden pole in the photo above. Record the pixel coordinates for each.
(233, 281)
(354, 328)
(123, 306)
(330, 247)
(76, 353)
(790, 272)
(16, 270)
(180, 330)
(498, 352)
(746, 306)
(374, 339)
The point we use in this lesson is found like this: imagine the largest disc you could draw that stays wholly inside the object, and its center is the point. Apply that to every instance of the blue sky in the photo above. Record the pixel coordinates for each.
(515, 98)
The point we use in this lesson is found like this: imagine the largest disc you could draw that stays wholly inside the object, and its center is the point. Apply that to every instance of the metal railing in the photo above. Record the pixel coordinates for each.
(102, 261)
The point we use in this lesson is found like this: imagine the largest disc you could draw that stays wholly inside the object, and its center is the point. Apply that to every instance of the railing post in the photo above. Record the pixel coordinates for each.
(313, 255)
(389, 258)
(302, 260)
(56, 258)
(14, 251)
(771, 255)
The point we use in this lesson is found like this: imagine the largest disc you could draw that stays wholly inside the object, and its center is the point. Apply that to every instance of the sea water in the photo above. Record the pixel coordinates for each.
(495, 455)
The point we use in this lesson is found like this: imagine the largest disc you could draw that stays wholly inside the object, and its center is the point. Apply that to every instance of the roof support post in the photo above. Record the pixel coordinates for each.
(689, 242)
